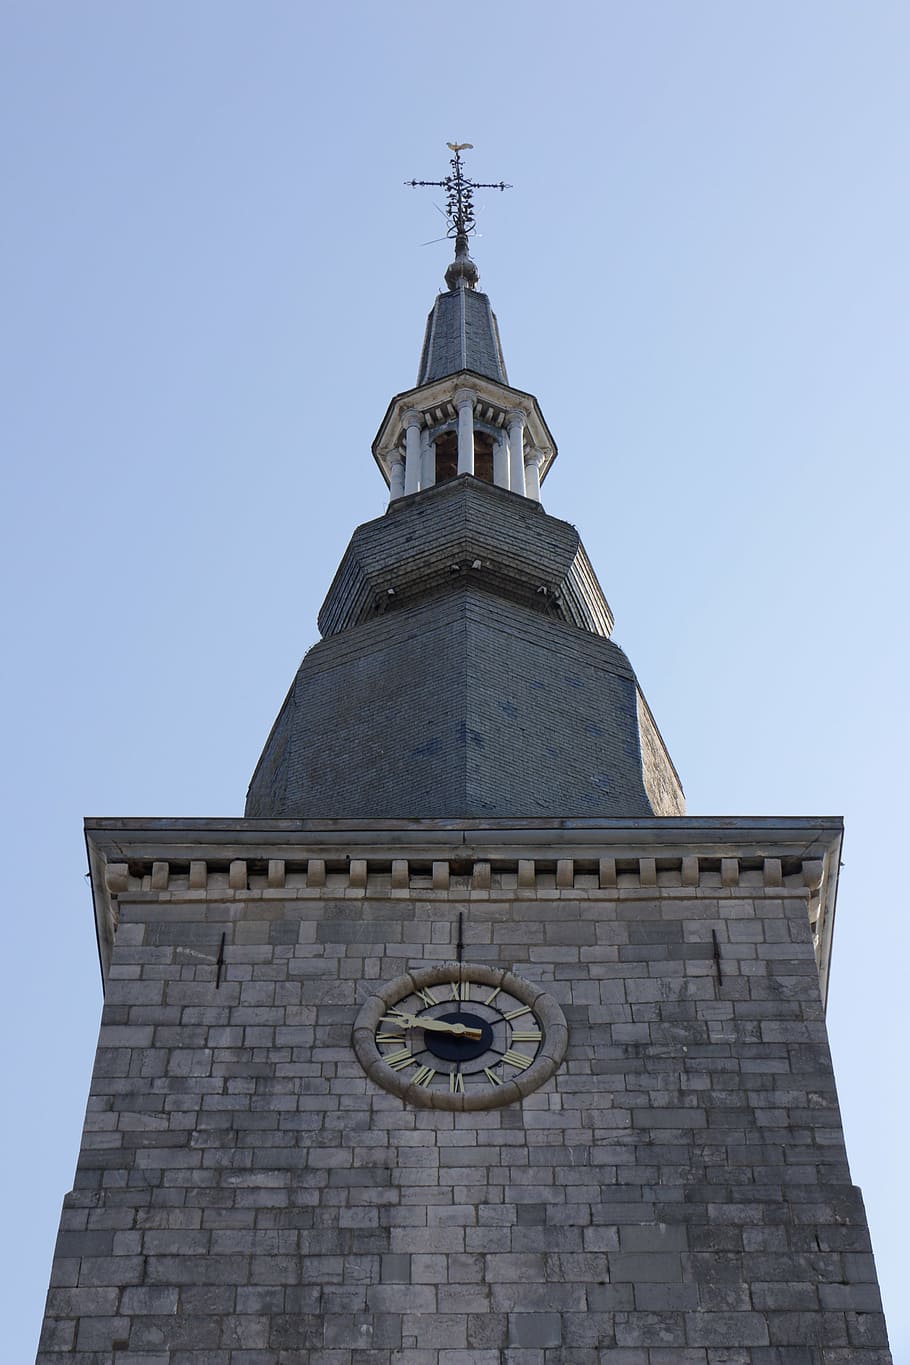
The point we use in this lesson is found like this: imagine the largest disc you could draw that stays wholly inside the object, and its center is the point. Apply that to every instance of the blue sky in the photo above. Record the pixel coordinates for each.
(213, 282)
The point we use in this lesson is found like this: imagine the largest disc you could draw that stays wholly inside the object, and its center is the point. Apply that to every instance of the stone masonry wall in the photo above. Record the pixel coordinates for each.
(678, 1194)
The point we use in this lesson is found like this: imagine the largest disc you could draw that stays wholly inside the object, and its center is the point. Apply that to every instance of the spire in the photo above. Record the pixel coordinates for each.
(463, 416)
(461, 330)
(466, 667)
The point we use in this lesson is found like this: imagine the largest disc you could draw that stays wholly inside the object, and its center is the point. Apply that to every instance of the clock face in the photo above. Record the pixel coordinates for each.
(460, 1037)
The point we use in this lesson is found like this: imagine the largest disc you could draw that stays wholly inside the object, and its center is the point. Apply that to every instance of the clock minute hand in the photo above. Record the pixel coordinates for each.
(436, 1025)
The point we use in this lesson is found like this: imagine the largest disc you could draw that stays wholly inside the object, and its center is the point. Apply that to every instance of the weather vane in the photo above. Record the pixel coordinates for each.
(459, 190)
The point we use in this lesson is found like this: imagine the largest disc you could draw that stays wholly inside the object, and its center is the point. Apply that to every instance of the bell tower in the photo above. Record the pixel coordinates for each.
(465, 1045)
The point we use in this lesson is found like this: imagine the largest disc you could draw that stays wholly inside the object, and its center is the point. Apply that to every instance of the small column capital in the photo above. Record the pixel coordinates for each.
(463, 397)
(516, 415)
(412, 418)
(534, 457)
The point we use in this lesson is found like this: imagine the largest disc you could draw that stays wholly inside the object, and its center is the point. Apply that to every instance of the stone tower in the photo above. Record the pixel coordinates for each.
(465, 1046)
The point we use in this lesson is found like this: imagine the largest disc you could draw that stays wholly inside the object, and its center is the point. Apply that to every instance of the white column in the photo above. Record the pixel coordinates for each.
(533, 461)
(501, 461)
(516, 422)
(396, 482)
(464, 402)
(427, 460)
(412, 422)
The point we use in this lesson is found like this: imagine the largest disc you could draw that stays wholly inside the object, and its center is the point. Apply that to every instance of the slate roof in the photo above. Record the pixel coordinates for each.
(461, 334)
(505, 542)
(466, 692)
(465, 706)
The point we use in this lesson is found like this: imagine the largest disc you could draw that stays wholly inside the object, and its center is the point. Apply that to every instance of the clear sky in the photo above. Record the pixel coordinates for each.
(214, 281)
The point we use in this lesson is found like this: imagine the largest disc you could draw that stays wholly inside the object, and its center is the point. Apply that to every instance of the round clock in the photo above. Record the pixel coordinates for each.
(460, 1036)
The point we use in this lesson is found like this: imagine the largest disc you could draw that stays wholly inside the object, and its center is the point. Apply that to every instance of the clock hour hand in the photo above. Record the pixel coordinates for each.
(436, 1025)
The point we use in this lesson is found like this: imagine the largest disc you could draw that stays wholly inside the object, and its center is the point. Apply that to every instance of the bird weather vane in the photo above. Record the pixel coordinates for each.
(459, 190)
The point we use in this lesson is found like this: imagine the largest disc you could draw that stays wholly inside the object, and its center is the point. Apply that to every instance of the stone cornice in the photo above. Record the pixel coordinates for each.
(174, 859)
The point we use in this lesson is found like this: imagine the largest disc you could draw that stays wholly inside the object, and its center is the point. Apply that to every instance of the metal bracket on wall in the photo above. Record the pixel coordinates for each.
(717, 967)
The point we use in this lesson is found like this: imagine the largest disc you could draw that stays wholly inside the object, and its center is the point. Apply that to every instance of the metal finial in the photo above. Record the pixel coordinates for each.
(459, 190)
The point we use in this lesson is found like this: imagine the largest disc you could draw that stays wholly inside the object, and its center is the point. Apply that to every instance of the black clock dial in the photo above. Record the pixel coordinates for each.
(461, 1050)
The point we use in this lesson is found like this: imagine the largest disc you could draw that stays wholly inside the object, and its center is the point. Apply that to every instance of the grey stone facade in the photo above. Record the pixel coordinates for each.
(676, 1194)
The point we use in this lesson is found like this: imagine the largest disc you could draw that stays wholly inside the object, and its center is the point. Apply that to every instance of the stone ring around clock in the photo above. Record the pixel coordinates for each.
(379, 1005)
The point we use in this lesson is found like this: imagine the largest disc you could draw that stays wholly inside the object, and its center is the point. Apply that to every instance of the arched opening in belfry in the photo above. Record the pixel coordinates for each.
(446, 445)
(483, 456)
(446, 456)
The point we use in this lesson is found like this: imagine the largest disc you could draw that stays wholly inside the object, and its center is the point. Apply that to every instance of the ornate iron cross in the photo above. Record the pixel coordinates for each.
(459, 190)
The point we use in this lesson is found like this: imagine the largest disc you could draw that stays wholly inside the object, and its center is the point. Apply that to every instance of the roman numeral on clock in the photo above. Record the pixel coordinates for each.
(399, 1060)
(461, 990)
(517, 1014)
(456, 1083)
(428, 997)
(424, 1075)
(492, 1077)
(517, 1059)
(527, 1035)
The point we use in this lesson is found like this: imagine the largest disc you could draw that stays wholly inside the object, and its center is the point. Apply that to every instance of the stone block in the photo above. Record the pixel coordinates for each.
(482, 877)
(651, 1237)
(772, 872)
(535, 1330)
(646, 1268)
(726, 1329)
(690, 870)
(199, 874)
(316, 872)
(647, 871)
(729, 871)
(565, 873)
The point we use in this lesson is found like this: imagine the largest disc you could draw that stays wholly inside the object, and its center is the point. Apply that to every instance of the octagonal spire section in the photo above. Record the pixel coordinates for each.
(466, 669)
(462, 334)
